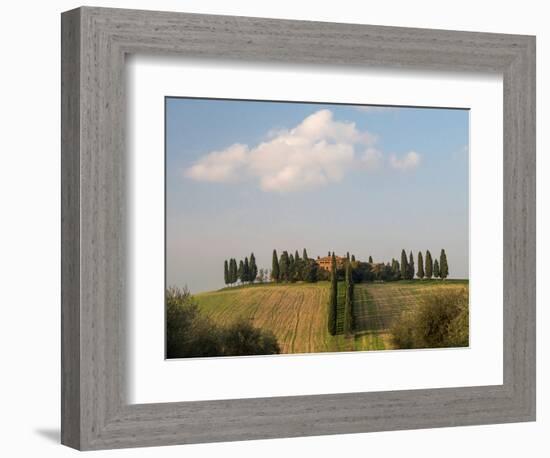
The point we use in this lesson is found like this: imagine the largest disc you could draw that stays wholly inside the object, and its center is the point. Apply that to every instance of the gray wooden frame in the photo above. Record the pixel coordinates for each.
(95, 413)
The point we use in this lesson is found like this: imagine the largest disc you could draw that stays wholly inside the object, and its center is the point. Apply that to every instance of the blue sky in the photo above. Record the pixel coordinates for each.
(245, 176)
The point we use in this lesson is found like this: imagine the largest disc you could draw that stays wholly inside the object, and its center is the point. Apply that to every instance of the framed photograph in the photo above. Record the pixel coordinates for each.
(226, 194)
(279, 228)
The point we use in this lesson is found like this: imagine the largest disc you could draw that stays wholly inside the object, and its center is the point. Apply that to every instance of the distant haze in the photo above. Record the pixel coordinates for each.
(246, 177)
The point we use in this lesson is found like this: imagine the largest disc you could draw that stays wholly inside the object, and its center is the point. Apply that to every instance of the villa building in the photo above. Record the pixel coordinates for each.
(326, 262)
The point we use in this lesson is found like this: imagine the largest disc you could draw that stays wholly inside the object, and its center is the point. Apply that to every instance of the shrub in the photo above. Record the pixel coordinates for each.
(188, 333)
(441, 320)
(241, 339)
(191, 334)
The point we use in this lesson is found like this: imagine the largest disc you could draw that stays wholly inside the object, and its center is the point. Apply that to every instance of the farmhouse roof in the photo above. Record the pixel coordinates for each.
(329, 258)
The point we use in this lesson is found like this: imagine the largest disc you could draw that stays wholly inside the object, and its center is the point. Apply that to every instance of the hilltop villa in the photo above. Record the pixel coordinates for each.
(325, 262)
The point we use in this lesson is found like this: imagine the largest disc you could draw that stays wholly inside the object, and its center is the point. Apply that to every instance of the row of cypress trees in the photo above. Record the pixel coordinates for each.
(333, 299)
(290, 268)
(246, 271)
(332, 308)
(426, 269)
(348, 305)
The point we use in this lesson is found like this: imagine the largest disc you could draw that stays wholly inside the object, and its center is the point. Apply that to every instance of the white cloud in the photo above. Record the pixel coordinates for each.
(220, 166)
(406, 162)
(318, 151)
(371, 159)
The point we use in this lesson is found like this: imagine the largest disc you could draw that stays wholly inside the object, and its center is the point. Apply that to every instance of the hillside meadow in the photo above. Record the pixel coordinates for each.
(296, 313)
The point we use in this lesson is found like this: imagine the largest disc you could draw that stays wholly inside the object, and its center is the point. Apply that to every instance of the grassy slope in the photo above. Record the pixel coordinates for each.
(376, 304)
(297, 314)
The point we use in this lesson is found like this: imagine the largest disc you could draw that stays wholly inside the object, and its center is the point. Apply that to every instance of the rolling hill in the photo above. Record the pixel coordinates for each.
(297, 315)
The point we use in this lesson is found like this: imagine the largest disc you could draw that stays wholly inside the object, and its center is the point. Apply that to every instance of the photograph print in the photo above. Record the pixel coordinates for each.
(295, 227)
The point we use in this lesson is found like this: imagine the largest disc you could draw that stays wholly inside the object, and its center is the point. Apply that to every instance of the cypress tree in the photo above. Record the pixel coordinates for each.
(275, 267)
(333, 301)
(302, 269)
(443, 266)
(352, 258)
(420, 270)
(395, 269)
(296, 256)
(429, 265)
(235, 275)
(246, 270)
(404, 265)
(240, 271)
(291, 268)
(411, 266)
(232, 271)
(253, 268)
(287, 258)
(436, 269)
(348, 310)
(347, 255)
(370, 260)
(225, 272)
(304, 255)
(329, 253)
(283, 266)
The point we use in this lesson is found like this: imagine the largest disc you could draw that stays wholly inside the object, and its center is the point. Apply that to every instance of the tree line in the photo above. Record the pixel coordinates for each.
(245, 272)
(333, 300)
(332, 309)
(293, 267)
(406, 269)
(426, 268)
(349, 321)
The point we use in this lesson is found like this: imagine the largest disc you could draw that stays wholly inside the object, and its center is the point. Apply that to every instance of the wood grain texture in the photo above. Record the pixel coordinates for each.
(70, 229)
(95, 413)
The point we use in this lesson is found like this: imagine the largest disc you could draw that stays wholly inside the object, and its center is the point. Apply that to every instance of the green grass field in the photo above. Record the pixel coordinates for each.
(297, 313)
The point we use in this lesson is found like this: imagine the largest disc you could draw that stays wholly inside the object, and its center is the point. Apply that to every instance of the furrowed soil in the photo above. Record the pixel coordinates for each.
(376, 305)
(297, 313)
